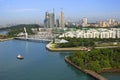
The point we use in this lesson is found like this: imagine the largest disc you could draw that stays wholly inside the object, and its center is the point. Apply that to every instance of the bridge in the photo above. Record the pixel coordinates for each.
(33, 39)
(43, 36)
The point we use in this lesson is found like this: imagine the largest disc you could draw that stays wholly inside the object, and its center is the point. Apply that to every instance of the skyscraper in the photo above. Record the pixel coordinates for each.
(49, 20)
(57, 22)
(52, 20)
(111, 22)
(61, 20)
(84, 22)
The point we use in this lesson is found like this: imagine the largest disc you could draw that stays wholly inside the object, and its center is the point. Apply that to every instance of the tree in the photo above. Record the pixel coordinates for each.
(95, 66)
(97, 59)
(105, 64)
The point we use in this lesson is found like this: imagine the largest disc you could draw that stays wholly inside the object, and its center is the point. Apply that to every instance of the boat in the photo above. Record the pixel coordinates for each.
(20, 56)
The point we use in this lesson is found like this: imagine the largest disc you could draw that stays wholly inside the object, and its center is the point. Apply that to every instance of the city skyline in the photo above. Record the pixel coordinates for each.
(29, 11)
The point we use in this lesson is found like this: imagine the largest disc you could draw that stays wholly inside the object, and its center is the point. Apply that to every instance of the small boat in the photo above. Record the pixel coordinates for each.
(20, 57)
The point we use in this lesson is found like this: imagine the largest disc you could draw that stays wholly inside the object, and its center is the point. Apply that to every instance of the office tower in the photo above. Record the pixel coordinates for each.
(110, 21)
(103, 24)
(61, 20)
(49, 20)
(57, 22)
(52, 20)
(84, 22)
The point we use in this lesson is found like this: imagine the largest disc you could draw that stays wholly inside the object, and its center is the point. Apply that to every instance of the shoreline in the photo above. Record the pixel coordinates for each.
(89, 72)
(49, 47)
(1, 40)
(107, 47)
(110, 70)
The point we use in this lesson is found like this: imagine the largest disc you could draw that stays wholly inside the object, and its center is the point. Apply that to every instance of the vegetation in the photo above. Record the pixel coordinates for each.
(97, 59)
(77, 42)
(14, 30)
(3, 36)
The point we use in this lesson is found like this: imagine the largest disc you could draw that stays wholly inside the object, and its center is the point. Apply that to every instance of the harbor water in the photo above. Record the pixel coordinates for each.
(38, 63)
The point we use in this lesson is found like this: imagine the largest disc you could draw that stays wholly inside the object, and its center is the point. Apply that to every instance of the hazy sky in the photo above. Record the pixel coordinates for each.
(32, 11)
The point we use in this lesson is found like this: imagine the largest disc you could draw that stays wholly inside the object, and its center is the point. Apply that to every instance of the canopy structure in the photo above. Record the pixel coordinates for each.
(61, 41)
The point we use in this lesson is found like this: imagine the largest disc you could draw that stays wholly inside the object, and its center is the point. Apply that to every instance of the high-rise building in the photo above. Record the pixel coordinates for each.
(103, 24)
(110, 21)
(61, 20)
(84, 22)
(57, 22)
(52, 20)
(49, 20)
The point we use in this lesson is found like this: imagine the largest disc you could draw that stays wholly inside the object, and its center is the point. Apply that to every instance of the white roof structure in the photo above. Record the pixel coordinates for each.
(21, 34)
(61, 41)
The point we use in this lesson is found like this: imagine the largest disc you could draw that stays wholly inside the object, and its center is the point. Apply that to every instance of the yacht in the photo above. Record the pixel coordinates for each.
(20, 56)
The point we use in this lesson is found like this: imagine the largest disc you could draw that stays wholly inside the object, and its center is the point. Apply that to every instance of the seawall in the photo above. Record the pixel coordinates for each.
(89, 72)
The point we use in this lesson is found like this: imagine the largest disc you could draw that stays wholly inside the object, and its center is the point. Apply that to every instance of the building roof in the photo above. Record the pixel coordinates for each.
(61, 41)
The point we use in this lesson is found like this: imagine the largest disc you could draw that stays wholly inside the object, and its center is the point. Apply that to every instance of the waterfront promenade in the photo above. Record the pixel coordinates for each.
(50, 47)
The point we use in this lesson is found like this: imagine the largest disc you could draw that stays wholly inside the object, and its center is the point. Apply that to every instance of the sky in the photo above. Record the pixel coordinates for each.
(33, 11)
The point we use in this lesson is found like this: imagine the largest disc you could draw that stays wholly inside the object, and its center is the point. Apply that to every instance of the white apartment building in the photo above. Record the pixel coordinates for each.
(118, 33)
(94, 33)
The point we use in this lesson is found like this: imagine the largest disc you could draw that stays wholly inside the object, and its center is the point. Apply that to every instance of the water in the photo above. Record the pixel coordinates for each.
(3, 32)
(112, 76)
(38, 63)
